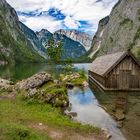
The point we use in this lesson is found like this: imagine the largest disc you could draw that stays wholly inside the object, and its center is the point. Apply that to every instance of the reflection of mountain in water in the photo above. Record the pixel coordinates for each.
(125, 106)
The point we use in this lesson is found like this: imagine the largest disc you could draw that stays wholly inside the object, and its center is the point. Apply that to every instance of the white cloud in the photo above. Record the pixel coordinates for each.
(74, 10)
(70, 23)
(42, 22)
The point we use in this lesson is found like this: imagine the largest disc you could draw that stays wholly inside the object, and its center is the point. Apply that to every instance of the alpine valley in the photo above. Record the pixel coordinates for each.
(18, 43)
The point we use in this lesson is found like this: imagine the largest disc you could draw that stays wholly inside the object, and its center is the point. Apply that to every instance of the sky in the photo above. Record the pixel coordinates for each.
(82, 15)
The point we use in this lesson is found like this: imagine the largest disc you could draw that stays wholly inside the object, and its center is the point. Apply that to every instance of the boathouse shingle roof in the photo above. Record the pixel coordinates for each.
(103, 64)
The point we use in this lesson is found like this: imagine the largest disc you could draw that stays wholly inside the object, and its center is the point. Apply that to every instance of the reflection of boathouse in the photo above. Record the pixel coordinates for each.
(118, 71)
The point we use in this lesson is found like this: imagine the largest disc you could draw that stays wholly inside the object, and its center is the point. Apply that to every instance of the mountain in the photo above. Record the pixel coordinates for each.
(32, 37)
(71, 48)
(78, 36)
(43, 36)
(14, 45)
(119, 31)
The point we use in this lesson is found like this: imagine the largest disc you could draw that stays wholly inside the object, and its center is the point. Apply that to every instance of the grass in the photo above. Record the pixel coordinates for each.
(12, 131)
(51, 88)
(18, 114)
(55, 96)
(78, 81)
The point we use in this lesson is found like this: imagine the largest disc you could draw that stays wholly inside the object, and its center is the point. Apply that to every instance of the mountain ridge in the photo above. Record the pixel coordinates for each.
(81, 37)
(14, 46)
(71, 49)
(119, 31)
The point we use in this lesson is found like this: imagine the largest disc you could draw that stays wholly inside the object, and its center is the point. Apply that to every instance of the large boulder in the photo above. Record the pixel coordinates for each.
(43, 89)
(35, 81)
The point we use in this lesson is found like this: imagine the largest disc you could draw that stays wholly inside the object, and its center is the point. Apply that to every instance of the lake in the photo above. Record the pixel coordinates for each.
(82, 101)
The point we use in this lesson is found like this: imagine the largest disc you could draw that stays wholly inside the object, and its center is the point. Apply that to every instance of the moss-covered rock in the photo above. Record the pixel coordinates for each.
(74, 79)
(43, 89)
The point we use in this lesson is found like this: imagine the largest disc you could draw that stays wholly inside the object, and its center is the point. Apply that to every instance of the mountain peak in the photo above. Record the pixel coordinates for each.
(78, 36)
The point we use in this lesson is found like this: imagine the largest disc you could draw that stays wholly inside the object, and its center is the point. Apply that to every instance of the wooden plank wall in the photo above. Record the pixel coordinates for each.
(126, 74)
(97, 77)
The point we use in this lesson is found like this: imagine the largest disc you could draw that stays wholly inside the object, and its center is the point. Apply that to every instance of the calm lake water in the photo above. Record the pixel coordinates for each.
(83, 101)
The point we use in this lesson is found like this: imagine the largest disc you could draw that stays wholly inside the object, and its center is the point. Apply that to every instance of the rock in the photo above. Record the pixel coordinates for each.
(119, 115)
(73, 114)
(120, 124)
(70, 114)
(35, 81)
(69, 85)
(32, 92)
(40, 124)
(57, 98)
(85, 84)
(56, 81)
(70, 77)
(6, 85)
(56, 94)
(108, 136)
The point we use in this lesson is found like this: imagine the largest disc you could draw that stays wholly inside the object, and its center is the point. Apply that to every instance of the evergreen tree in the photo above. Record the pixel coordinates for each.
(54, 50)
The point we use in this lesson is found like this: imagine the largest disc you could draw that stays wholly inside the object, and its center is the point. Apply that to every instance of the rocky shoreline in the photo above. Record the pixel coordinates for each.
(43, 88)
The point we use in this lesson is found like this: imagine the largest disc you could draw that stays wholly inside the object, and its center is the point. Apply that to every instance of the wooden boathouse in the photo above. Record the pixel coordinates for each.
(118, 71)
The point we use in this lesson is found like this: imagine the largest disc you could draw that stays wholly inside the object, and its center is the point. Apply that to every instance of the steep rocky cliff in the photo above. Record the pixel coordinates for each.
(14, 45)
(75, 35)
(120, 30)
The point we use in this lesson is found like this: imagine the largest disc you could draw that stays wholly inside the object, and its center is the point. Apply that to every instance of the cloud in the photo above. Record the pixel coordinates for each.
(71, 23)
(41, 22)
(82, 15)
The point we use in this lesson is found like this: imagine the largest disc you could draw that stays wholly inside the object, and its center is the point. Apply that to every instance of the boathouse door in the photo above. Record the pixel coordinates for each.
(124, 79)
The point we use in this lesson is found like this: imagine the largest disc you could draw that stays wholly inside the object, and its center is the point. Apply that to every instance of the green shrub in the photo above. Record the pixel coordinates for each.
(126, 21)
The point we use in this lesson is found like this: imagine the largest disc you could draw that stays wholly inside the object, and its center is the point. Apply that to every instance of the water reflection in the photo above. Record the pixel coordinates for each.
(124, 106)
(88, 110)
(25, 70)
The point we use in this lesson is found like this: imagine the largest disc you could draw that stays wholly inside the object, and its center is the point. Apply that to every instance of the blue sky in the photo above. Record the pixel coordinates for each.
(82, 15)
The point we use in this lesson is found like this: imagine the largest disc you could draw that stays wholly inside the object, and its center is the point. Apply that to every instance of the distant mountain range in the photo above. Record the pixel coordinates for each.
(78, 36)
(71, 48)
(18, 43)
